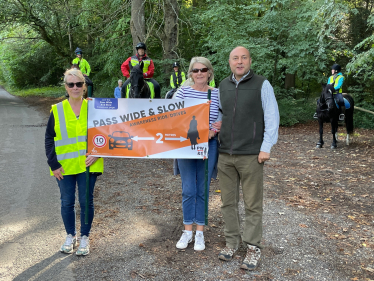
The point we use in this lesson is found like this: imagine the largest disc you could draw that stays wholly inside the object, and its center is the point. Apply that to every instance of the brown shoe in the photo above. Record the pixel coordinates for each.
(252, 258)
(227, 253)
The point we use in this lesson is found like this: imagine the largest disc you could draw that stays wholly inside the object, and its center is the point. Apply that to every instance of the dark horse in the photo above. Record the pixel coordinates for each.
(328, 112)
(138, 86)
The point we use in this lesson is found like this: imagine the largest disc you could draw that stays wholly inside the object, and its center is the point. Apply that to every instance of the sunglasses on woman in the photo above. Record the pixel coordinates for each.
(196, 70)
(78, 84)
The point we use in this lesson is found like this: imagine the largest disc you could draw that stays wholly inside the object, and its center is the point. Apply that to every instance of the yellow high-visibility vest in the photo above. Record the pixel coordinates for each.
(150, 85)
(84, 66)
(177, 80)
(146, 63)
(71, 139)
(331, 80)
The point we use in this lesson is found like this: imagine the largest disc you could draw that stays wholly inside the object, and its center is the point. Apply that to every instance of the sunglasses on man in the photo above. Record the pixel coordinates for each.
(196, 70)
(78, 84)
(79, 53)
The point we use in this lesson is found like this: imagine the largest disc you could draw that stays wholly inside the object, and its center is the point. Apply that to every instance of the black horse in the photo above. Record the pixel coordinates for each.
(138, 86)
(328, 112)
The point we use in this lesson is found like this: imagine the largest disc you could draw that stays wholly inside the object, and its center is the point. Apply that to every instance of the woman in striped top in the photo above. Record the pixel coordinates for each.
(192, 171)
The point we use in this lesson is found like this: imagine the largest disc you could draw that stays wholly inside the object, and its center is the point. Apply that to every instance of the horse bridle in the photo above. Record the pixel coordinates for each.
(325, 99)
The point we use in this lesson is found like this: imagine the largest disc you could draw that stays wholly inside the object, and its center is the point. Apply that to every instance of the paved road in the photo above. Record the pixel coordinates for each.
(31, 229)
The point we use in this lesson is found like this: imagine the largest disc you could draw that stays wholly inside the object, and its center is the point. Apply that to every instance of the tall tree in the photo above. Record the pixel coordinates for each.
(169, 37)
(137, 22)
(51, 20)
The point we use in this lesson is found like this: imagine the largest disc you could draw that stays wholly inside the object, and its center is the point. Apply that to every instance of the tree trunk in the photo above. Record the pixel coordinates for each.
(137, 23)
(289, 81)
(170, 36)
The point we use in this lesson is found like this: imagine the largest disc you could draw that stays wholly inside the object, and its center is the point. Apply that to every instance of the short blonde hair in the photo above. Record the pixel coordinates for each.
(203, 61)
(74, 72)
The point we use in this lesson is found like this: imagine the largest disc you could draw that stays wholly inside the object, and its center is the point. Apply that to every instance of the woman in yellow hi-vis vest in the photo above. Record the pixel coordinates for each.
(65, 146)
(337, 79)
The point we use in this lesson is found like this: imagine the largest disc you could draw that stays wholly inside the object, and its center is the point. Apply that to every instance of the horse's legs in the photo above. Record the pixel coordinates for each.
(348, 139)
(320, 142)
(334, 130)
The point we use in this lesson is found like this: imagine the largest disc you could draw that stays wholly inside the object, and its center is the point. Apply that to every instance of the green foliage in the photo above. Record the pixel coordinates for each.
(51, 92)
(364, 100)
(29, 63)
(292, 108)
(363, 119)
(301, 38)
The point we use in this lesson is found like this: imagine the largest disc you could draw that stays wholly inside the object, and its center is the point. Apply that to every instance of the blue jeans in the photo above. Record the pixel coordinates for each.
(339, 99)
(67, 190)
(193, 184)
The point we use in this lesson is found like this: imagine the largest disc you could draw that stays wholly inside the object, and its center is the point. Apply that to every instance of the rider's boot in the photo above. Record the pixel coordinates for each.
(342, 114)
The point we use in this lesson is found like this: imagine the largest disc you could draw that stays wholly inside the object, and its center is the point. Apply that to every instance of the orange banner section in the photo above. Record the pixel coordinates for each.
(184, 132)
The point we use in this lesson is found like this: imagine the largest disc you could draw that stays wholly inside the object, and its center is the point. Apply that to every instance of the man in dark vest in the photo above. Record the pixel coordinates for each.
(178, 77)
(250, 121)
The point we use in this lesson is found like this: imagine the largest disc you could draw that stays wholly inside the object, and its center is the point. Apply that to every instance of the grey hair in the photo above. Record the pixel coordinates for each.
(120, 81)
(203, 61)
(74, 72)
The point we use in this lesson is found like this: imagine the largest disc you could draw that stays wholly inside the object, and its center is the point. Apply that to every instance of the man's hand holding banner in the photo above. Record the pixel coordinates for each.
(148, 128)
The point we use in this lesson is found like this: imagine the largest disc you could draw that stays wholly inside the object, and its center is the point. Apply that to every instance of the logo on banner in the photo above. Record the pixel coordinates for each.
(99, 140)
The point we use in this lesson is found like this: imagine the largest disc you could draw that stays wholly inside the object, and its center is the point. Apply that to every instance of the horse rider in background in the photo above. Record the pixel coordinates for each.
(148, 68)
(178, 77)
(337, 79)
(83, 65)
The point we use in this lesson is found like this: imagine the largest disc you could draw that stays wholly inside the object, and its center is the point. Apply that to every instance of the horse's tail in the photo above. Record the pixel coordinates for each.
(349, 114)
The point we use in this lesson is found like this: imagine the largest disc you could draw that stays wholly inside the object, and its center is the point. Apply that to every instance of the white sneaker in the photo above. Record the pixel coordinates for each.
(84, 246)
(199, 242)
(184, 240)
(70, 243)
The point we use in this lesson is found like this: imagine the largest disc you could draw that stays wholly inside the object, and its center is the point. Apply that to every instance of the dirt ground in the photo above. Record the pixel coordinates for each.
(326, 192)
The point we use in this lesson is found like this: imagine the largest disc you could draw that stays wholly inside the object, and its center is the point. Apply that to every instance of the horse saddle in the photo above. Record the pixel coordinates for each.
(346, 103)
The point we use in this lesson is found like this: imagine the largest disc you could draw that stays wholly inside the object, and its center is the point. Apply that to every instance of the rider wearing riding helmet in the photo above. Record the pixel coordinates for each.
(178, 77)
(337, 79)
(148, 68)
(81, 62)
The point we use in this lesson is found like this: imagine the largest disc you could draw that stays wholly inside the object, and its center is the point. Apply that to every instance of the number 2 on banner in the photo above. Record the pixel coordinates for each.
(99, 140)
(160, 138)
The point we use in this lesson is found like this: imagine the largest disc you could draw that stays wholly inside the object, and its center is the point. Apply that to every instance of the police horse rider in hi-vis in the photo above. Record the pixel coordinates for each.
(148, 68)
(83, 65)
(178, 77)
(337, 79)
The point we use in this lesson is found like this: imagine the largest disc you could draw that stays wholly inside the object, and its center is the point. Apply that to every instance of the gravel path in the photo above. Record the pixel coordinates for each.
(139, 220)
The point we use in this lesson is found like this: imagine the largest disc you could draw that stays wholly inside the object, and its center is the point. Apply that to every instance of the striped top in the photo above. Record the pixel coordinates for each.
(189, 93)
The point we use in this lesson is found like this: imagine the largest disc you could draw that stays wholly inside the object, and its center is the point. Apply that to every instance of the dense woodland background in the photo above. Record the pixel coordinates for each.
(292, 42)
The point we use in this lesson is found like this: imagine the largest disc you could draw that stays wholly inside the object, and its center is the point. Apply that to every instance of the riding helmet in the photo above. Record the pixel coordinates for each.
(336, 67)
(141, 45)
(176, 64)
(78, 50)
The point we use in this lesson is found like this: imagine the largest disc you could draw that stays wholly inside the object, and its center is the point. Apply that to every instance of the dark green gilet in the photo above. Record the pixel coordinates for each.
(242, 130)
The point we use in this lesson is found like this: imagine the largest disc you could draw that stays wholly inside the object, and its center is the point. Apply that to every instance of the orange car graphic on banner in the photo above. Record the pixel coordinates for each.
(148, 128)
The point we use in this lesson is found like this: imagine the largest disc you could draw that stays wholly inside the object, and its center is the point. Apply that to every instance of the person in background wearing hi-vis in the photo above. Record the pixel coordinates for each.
(337, 79)
(66, 150)
(117, 90)
(212, 84)
(178, 77)
(148, 68)
(83, 65)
